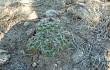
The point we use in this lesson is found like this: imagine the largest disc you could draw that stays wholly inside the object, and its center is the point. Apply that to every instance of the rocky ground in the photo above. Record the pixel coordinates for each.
(87, 20)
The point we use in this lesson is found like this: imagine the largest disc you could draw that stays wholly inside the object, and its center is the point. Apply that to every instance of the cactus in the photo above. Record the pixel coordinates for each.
(50, 38)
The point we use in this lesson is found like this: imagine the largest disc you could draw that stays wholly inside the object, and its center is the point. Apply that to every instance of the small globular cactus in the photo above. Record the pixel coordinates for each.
(50, 38)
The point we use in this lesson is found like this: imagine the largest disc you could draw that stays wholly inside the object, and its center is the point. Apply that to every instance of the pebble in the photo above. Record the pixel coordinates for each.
(26, 23)
(34, 64)
(52, 13)
(4, 57)
(55, 65)
(22, 52)
(30, 32)
(77, 56)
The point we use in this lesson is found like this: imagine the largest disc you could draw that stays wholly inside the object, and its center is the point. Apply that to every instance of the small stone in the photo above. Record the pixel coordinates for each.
(55, 65)
(22, 52)
(77, 56)
(34, 64)
(26, 23)
(52, 13)
(4, 56)
(30, 32)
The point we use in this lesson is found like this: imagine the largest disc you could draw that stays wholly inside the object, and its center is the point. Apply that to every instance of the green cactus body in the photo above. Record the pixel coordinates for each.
(50, 38)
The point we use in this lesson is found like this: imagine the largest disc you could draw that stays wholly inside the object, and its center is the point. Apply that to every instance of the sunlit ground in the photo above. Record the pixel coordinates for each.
(25, 12)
